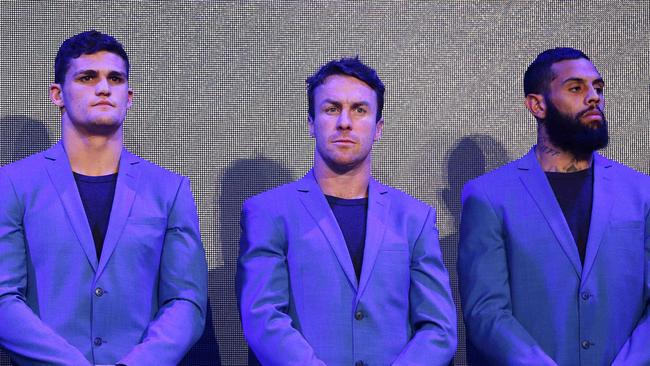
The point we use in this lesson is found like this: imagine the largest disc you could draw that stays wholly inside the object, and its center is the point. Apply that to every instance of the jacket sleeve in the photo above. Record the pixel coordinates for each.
(635, 349)
(484, 287)
(432, 310)
(263, 290)
(182, 289)
(22, 333)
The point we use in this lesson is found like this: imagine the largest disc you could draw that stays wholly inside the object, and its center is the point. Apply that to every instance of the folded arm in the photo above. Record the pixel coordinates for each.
(263, 291)
(182, 289)
(485, 290)
(432, 310)
(635, 349)
(22, 333)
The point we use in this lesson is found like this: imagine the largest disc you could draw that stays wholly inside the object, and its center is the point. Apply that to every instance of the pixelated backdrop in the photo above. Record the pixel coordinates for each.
(220, 97)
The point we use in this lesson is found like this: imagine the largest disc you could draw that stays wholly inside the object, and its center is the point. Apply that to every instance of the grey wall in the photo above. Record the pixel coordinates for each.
(219, 95)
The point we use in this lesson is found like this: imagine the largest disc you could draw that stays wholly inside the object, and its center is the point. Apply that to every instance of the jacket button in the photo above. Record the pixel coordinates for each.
(359, 363)
(585, 344)
(358, 316)
(585, 295)
(99, 292)
(98, 342)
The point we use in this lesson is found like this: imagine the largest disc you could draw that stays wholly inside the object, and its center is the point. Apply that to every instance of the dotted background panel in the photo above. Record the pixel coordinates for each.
(220, 97)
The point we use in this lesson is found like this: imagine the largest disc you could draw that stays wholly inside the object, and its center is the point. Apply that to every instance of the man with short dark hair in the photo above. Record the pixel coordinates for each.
(101, 260)
(337, 268)
(554, 258)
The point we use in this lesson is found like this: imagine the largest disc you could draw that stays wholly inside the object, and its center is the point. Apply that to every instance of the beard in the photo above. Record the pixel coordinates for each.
(570, 134)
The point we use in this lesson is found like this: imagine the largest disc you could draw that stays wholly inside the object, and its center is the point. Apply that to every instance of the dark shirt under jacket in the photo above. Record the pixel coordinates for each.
(574, 193)
(351, 215)
(97, 197)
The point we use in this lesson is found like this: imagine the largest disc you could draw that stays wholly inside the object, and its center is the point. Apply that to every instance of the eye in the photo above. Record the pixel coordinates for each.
(360, 110)
(85, 78)
(331, 109)
(116, 79)
(575, 89)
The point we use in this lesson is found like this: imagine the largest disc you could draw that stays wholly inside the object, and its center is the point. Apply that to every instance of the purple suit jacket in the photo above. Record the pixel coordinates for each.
(299, 297)
(142, 303)
(527, 299)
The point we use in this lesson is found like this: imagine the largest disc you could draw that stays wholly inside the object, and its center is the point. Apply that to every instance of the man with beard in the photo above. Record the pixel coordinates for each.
(555, 247)
(101, 260)
(337, 268)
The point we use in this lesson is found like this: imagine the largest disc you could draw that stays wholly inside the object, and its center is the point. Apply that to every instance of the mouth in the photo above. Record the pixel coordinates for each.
(344, 141)
(593, 114)
(103, 103)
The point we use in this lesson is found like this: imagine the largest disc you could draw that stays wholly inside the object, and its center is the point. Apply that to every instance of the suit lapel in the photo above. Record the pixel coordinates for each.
(314, 201)
(127, 182)
(538, 187)
(378, 205)
(600, 211)
(60, 172)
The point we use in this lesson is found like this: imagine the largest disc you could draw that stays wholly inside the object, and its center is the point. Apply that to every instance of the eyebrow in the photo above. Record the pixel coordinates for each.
(580, 80)
(94, 72)
(117, 73)
(336, 102)
(83, 72)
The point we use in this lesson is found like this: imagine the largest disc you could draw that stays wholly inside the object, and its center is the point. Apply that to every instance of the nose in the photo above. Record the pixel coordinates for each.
(343, 121)
(592, 98)
(102, 87)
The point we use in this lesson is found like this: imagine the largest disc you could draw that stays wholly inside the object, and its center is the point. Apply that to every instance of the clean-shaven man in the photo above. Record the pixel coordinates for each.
(101, 260)
(337, 268)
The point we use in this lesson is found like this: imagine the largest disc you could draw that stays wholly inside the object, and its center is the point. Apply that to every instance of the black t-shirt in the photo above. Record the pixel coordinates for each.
(574, 193)
(97, 197)
(351, 214)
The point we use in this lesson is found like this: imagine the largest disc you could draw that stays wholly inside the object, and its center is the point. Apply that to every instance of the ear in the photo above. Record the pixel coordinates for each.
(310, 122)
(130, 101)
(379, 129)
(56, 95)
(536, 105)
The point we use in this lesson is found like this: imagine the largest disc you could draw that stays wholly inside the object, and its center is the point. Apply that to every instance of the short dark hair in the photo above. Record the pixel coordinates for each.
(538, 76)
(351, 67)
(85, 43)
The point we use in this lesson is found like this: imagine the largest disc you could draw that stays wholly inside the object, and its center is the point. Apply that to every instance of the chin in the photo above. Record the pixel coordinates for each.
(596, 126)
(345, 165)
(104, 127)
(593, 124)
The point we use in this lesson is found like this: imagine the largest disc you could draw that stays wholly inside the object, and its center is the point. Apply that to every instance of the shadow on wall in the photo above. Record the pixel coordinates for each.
(20, 136)
(471, 156)
(241, 180)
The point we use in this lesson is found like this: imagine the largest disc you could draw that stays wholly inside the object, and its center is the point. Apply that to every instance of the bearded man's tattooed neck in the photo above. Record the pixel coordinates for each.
(571, 167)
(553, 159)
(545, 148)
